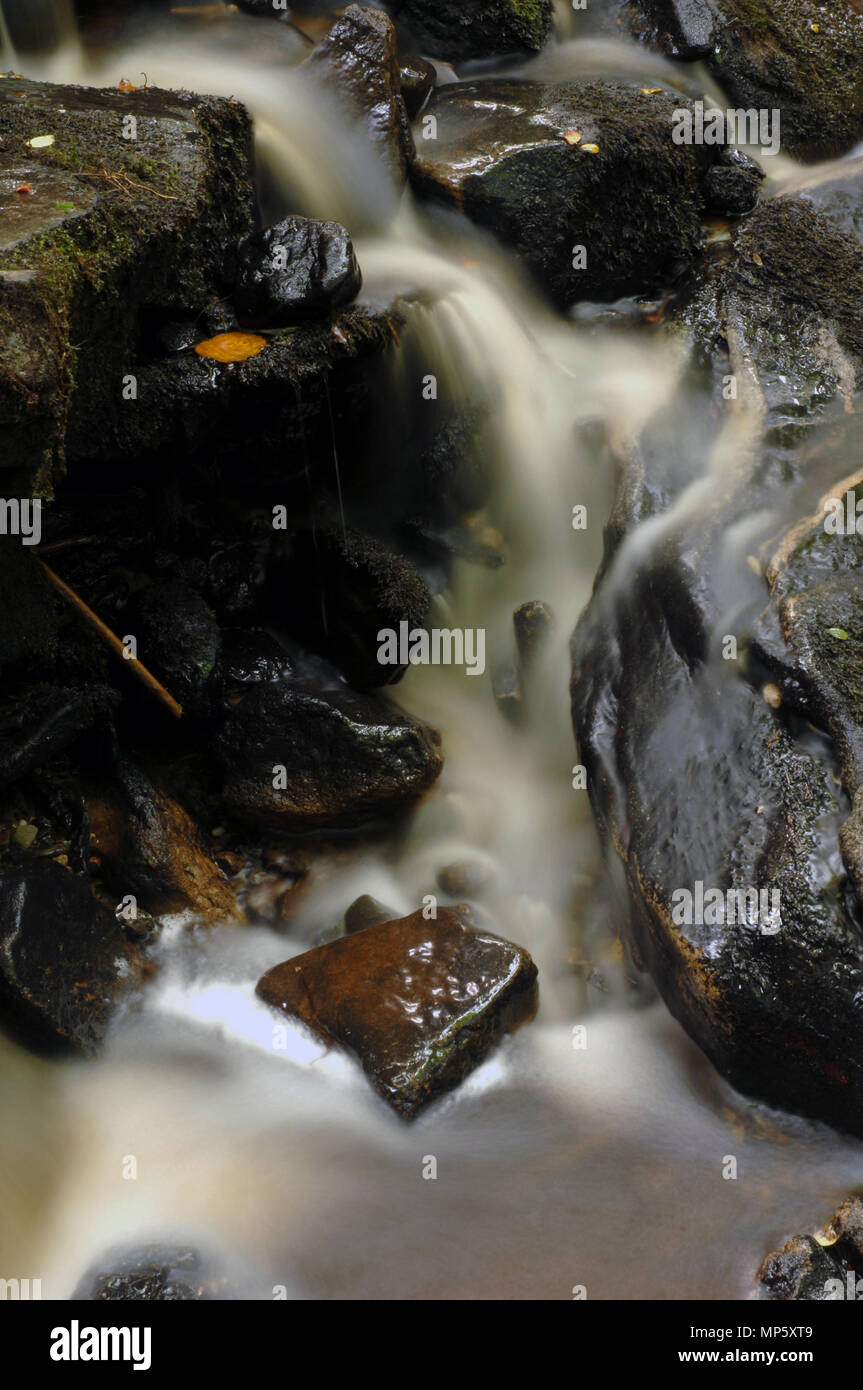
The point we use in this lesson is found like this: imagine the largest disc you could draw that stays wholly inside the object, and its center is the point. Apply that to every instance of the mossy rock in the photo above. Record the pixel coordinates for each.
(137, 202)
(463, 29)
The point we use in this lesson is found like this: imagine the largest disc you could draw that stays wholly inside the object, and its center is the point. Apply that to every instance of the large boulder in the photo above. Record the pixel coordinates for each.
(296, 756)
(463, 29)
(723, 625)
(803, 58)
(358, 62)
(130, 200)
(551, 168)
(418, 1002)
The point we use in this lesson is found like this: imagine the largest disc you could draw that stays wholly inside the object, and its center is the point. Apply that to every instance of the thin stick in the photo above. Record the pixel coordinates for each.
(112, 640)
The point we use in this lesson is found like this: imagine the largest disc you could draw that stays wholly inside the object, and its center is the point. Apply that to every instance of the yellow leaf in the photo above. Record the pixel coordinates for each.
(41, 142)
(231, 347)
(572, 137)
(651, 91)
(590, 149)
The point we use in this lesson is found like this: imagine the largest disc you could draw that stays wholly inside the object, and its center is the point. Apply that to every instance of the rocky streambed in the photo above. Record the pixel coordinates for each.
(260, 464)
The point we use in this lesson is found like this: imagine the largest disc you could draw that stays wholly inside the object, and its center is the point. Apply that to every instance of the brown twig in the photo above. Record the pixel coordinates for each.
(112, 641)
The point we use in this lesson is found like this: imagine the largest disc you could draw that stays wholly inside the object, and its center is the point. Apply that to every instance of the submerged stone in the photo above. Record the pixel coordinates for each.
(419, 1003)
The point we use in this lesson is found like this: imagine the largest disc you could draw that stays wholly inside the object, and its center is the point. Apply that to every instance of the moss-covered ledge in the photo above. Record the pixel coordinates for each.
(139, 199)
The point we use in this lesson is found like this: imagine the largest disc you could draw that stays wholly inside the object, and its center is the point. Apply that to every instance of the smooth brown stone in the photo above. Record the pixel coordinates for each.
(419, 1003)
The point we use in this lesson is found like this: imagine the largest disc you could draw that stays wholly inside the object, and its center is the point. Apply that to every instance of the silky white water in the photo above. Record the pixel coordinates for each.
(557, 1165)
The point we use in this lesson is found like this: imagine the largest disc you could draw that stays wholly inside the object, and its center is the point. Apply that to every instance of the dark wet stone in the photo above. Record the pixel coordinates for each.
(295, 271)
(534, 625)
(42, 721)
(459, 29)
(693, 775)
(176, 336)
(155, 1273)
(847, 1226)
(366, 912)
(148, 845)
(309, 388)
(419, 1003)
(418, 79)
(28, 621)
(337, 590)
(624, 191)
(83, 253)
(64, 961)
(178, 637)
(733, 186)
(358, 61)
(349, 758)
(800, 1270)
(252, 656)
(803, 57)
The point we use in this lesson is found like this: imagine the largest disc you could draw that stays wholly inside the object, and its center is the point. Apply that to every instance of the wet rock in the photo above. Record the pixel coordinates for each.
(295, 271)
(347, 758)
(41, 722)
(366, 912)
(28, 621)
(695, 778)
(358, 61)
(338, 590)
(802, 57)
(534, 625)
(149, 846)
(800, 1270)
(733, 185)
(418, 79)
(419, 1003)
(822, 1268)
(459, 29)
(252, 656)
(155, 1273)
(310, 388)
(83, 252)
(64, 961)
(178, 637)
(618, 187)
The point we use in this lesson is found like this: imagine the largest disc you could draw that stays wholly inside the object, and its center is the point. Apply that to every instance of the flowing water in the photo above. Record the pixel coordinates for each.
(557, 1166)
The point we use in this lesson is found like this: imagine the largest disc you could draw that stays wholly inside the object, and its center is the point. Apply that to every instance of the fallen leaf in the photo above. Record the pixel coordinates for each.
(651, 91)
(124, 85)
(231, 347)
(572, 137)
(756, 258)
(24, 189)
(590, 149)
(838, 632)
(41, 142)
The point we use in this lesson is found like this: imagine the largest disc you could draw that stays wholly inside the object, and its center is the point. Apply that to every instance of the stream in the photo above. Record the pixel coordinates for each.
(568, 1162)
